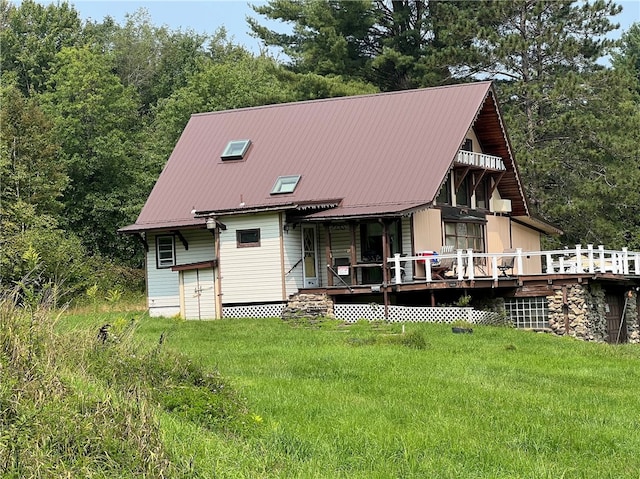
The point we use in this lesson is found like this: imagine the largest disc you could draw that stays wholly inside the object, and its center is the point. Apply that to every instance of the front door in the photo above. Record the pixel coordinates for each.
(199, 294)
(309, 256)
(616, 327)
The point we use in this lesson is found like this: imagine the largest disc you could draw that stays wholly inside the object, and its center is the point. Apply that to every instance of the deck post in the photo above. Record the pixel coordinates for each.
(427, 270)
(590, 256)
(519, 261)
(601, 253)
(550, 269)
(625, 259)
(396, 268)
(579, 268)
(470, 265)
(494, 268)
(459, 265)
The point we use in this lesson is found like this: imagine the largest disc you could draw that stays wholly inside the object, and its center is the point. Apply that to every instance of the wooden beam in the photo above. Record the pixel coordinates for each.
(183, 240)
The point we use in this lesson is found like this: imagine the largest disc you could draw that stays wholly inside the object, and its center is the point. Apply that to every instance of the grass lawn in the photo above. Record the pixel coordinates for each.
(365, 401)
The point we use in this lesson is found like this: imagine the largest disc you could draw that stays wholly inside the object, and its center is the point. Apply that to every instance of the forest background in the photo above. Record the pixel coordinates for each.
(90, 110)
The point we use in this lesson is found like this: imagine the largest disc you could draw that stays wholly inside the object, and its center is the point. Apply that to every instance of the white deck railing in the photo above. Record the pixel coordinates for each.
(480, 160)
(566, 261)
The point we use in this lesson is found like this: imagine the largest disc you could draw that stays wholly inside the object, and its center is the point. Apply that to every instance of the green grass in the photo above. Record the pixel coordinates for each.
(262, 398)
(359, 401)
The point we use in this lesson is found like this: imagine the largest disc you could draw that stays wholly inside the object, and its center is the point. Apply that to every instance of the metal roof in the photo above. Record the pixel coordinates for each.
(371, 155)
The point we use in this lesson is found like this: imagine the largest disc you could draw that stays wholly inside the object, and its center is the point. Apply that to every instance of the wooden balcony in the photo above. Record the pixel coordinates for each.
(480, 160)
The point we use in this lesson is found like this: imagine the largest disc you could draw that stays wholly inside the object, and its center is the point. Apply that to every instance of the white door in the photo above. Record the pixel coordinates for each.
(309, 256)
(199, 294)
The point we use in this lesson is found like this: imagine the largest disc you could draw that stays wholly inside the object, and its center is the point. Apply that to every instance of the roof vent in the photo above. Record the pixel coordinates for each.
(235, 150)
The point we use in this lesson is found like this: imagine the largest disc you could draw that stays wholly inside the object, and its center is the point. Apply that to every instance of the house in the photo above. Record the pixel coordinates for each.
(351, 198)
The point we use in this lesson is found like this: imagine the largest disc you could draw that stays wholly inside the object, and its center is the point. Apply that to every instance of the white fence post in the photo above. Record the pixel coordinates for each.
(550, 268)
(470, 265)
(459, 266)
(427, 269)
(602, 264)
(590, 256)
(625, 259)
(494, 267)
(397, 269)
(519, 260)
(579, 268)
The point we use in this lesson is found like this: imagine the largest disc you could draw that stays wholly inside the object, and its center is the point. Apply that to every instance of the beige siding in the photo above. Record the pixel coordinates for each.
(529, 240)
(251, 274)
(498, 234)
(427, 230)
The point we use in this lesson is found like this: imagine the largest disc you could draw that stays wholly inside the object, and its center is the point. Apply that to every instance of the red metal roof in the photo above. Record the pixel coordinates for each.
(376, 154)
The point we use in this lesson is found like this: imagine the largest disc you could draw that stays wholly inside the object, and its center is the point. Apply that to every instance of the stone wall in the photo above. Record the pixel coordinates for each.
(583, 314)
(304, 305)
(632, 318)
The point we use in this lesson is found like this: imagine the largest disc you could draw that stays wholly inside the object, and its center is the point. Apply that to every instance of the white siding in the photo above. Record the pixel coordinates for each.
(163, 285)
(292, 244)
(251, 274)
(163, 293)
(199, 294)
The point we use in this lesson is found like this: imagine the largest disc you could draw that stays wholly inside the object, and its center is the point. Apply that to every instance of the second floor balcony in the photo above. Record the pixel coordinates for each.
(480, 160)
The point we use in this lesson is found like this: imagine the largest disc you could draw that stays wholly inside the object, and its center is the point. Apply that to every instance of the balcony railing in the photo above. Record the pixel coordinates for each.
(579, 260)
(480, 160)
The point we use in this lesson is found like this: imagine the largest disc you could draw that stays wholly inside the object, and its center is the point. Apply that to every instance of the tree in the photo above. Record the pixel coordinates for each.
(31, 35)
(97, 124)
(392, 44)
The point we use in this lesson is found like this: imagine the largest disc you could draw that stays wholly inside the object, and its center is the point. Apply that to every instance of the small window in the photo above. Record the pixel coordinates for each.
(285, 184)
(235, 150)
(247, 238)
(165, 251)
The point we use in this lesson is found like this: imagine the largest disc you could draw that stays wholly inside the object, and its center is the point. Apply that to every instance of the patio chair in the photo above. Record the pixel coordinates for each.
(506, 262)
(444, 265)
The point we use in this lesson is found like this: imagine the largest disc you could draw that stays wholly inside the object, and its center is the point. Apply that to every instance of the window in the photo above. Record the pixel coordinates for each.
(235, 150)
(464, 236)
(468, 144)
(481, 195)
(444, 197)
(285, 184)
(165, 251)
(529, 313)
(248, 238)
(462, 193)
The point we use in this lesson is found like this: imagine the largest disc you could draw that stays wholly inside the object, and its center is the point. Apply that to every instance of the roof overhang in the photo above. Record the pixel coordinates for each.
(538, 224)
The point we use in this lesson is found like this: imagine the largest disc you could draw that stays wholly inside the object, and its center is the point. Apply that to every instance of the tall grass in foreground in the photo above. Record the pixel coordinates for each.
(359, 402)
(78, 404)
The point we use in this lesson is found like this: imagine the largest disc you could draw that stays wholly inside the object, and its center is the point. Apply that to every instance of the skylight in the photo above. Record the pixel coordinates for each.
(285, 184)
(235, 150)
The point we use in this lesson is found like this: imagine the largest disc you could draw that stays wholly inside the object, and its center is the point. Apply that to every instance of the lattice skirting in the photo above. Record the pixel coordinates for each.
(412, 314)
(253, 311)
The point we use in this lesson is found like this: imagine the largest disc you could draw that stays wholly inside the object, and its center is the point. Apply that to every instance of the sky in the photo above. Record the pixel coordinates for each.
(206, 16)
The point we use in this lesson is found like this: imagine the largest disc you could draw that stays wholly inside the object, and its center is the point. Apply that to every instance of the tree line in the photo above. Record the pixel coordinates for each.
(91, 110)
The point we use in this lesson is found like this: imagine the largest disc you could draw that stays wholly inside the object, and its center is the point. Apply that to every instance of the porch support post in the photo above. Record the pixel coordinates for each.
(327, 252)
(385, 272)
(218, 282)
(459, 265)
(352, 253)
(590, 257)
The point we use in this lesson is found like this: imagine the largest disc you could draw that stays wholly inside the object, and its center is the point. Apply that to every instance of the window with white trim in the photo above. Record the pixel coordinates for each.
(285, 184)
(235, 150)
(165, 251)
(463, 235)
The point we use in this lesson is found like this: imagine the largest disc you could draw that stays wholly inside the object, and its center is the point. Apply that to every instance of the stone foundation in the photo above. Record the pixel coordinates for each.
(303, 305)
(632, 318)
(583, 315)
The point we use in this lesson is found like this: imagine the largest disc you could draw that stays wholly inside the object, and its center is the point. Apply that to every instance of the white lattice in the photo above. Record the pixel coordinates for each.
(254, 311)
(411, 314)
